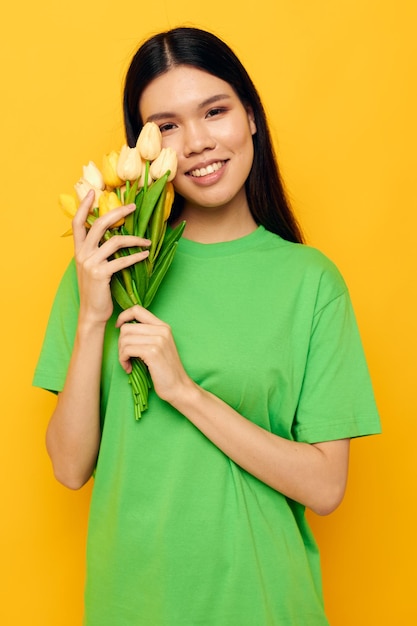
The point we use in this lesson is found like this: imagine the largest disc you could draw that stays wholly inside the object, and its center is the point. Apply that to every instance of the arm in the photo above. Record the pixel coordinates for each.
(73, 434)
(313, 474)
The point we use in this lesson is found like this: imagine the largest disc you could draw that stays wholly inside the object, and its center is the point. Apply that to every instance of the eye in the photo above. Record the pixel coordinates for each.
(167, 127)
(216, 111)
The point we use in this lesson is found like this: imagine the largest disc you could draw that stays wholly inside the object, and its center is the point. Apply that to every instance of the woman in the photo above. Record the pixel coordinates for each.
(260, 381)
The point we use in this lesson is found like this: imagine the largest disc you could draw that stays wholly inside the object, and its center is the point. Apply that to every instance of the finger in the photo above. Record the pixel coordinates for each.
(78, 222)
(139, 314)
(116, 243)
(105, 222)
(115, 265)
(148, 347)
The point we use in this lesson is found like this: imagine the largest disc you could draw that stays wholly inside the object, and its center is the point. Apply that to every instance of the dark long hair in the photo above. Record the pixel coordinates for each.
(198, 48)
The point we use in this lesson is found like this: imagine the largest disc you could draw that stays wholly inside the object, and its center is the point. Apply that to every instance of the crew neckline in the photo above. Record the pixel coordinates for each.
(195, 248)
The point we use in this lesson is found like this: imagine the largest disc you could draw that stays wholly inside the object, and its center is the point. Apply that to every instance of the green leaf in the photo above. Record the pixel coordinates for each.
(150, 198)
(120, 294)
(156, 224)
(140, 272)
(171, 237)
(158, 275)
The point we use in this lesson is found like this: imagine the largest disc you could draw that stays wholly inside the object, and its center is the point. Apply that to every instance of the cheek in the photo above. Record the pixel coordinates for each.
(245, 136)
(244, 149)
(238, 137)
(180, 185)
(176, 145)
(173, 141)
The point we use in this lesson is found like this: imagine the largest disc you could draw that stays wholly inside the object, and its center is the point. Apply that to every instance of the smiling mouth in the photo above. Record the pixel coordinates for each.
(204, 171)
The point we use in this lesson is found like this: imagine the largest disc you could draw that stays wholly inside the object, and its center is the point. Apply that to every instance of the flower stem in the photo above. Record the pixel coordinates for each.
(145, 183)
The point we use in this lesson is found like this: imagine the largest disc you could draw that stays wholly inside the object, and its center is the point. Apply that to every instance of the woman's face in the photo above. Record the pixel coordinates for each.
(204, 121)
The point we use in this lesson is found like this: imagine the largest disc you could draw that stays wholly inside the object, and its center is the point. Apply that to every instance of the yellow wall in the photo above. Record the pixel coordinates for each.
(339, 83)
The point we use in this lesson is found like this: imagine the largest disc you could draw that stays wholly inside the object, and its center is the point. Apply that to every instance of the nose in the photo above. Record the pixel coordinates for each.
(197, 138)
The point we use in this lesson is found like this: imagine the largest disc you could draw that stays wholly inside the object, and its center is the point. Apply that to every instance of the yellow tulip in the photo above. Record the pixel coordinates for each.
(109, 169)
(82, 187)
(68, 204)
(108, 201)
(129, 164)
(166, 160)
(92, 175)
(149, 142)
(169, 199)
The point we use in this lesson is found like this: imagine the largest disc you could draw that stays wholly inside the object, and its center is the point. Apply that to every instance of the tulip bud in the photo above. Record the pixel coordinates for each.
(68, 204)
(167, 160)
(109, 169)
(129, 164)
(108, 201)
(149, 142)
(92, 175)
(82, 187)
(169, 199)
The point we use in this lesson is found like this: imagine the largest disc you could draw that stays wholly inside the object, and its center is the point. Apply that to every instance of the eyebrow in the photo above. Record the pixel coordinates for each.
(164, 114)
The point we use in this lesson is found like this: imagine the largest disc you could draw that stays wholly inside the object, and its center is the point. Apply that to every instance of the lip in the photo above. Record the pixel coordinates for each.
(216, 167)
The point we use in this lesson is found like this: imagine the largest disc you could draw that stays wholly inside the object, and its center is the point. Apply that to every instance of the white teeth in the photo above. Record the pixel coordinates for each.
(203, 171)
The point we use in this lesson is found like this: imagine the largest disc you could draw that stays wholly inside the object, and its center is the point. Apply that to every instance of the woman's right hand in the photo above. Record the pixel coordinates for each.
(94, 269)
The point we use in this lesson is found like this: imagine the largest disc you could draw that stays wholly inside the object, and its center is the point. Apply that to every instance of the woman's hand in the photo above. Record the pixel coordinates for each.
(151, 340)
(95, 265)
(73, 435)
(313, 474)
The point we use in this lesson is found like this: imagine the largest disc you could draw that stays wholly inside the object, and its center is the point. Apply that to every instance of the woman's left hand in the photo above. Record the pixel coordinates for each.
(151, 340)
(313, 474)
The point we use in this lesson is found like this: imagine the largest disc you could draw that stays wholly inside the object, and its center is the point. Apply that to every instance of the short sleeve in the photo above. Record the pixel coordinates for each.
(336, 399)
(52, 366)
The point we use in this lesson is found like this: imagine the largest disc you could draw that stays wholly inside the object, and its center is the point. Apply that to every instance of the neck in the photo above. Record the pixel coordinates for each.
(216, 231)
(215, 225)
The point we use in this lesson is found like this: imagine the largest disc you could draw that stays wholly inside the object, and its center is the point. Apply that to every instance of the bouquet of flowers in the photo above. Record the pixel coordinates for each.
(140, 175)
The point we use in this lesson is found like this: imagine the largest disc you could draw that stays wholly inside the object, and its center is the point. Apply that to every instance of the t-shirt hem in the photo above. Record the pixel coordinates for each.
(47, 382)
(338, 431)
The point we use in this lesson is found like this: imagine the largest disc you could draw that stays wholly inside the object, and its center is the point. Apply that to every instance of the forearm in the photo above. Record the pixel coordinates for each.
(73, 434)
(313, 474)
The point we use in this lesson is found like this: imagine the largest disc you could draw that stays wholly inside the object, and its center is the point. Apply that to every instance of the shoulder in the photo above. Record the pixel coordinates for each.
(303, 263)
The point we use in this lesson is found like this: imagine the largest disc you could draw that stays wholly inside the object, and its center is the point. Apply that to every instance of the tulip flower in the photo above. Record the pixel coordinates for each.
(92, 175)
(149, 142)
(169, 199)
(82, 187)
(139, 176)
(68, 204)
(166, 160)
(109, 169)
(129, 164)
(108, 201)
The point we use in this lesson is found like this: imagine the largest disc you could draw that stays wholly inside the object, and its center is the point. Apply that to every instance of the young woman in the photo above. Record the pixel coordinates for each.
(197, 514)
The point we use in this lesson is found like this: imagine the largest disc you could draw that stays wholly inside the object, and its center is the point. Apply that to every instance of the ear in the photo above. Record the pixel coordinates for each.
(251, 119)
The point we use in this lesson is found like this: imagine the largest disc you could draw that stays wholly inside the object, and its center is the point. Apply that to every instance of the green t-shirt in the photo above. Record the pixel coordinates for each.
(179, 535)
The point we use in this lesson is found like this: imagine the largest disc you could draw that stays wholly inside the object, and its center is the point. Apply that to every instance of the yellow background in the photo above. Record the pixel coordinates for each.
(339, 83)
